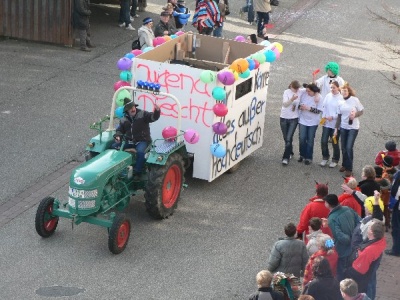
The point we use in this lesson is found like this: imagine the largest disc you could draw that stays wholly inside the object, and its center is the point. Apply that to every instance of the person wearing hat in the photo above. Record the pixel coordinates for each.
(146, 34)
(164, 26)
(390, 149)
(342, 221)
(349, 200)
(134, 127)
(332, 74)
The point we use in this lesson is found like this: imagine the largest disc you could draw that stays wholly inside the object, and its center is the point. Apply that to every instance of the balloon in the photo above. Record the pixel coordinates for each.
(220, 109)
(220, 128)
(120, 83)
(236, 74)
(147, 49)
(218, 150)
(219, 93)
(265, 43)
(256, 64)
(130, 55)
(179, 33)
(167, 38)
(260, 56)
(278, 46)
(270, 56)
(169, 133)
(124, 63)
(122, 94)
(207, 76)
(173, 36)
(157, 41)
(277, 53)
(136, 52)
(239, 65)
(240, 38)
(125, 76)
(245, 74)
(119, 112)
(251, 63)
(226, 77)
(191, 136)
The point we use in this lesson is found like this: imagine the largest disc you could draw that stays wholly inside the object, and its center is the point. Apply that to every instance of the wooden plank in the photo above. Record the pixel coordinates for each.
(226, 49)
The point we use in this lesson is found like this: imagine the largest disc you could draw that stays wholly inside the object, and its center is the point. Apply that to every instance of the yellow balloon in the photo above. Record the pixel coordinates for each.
(278, 46)
(236, 74)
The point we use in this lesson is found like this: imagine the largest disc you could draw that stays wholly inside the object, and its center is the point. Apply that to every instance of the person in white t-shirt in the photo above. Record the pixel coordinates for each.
(310, 108)
(328, 121)
(348, 122)
(332, 74)
(289, 118)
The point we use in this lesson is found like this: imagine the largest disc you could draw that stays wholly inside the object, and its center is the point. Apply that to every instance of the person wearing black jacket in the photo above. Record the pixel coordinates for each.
(134, 126)
(264, 279)
(81, 23)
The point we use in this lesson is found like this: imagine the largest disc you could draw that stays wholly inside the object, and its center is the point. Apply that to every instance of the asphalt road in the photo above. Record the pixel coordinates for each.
(221, 235)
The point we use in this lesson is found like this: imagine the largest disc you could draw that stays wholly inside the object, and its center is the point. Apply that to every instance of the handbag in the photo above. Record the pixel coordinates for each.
(136, 44)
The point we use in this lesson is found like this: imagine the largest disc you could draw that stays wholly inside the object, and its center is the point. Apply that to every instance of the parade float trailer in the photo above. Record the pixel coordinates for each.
(226, 108)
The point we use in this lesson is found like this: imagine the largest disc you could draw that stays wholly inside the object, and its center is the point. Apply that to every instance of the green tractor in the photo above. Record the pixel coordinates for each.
(102, 187)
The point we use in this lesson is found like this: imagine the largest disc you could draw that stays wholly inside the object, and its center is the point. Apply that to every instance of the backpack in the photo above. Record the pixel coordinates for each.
(136, 44)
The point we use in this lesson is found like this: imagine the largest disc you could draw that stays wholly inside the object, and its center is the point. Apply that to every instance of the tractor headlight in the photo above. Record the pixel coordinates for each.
(82, 204)
(160, 158)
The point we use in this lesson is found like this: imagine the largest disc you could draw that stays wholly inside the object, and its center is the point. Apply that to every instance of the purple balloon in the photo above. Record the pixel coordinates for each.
(124, 64)
(220, 128)
(226, 77)
(240, 38)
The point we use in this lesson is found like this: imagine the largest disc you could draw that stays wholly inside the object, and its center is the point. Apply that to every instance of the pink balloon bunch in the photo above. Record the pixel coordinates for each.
(158, 41)
(169, 133)
(220, 109)
(191, 136)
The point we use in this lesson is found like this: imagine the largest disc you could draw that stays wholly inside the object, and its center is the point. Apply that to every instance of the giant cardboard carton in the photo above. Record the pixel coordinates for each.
(177, 66)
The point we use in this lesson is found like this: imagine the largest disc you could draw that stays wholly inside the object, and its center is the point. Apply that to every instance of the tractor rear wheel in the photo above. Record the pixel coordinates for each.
(164, 187)
(45, 222)
(119, 234)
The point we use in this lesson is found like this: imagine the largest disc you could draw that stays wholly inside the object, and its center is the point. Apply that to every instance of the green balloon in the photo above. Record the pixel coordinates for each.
(121, 96)
(207, 76)
(261, 57)
(245, 74)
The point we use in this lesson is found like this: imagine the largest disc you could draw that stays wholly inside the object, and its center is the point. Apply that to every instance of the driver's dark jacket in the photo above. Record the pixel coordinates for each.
(137, 129)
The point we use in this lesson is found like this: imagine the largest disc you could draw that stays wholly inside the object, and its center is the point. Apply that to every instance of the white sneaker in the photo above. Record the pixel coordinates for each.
(121, 25)
(132, 19)
(323, 162)
(332, 164)
(130, 27)
(136, 16)
(285, 161)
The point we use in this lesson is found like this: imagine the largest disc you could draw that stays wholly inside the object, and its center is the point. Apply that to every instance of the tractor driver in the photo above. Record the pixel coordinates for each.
(134, 125)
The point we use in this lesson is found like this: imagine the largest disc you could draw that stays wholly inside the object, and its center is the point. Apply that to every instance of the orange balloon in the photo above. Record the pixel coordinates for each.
(167, 38)
(240, 65)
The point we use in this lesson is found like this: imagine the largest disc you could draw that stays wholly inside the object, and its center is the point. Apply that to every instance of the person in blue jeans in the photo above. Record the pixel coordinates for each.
(124, 19)
(310, 107)
(328, 122)
(262, 8)
(134, 126)
(348, 122)
(289, 118)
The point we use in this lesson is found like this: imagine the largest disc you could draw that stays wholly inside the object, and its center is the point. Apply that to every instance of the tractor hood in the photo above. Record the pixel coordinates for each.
(99, 169)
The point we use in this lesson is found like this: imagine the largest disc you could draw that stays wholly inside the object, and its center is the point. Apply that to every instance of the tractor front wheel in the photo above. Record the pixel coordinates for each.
(45, 222)
(119, 234)
(164, 187)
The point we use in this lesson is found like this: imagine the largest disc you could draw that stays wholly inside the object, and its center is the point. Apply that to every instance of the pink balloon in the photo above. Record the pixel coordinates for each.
(276, 51)
(226, 77)
(137, 52)
(120, 83)
(179, 33)
(191, 136)
(169, 133)
(220, 128)
(158, 41)
(240, 38)
(256, 64)
(220, 109)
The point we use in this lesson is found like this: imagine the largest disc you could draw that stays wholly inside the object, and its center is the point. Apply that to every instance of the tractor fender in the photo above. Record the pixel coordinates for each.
(157, 157)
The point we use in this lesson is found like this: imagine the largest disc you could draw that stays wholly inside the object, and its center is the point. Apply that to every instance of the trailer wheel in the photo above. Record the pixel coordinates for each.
(119, 234)
(45, 222)
(164, 186)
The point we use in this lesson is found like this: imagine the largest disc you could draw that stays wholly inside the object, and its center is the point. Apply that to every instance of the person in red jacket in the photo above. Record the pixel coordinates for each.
(346, 199)
(367, 258)
(390, 150)
(315, 208)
